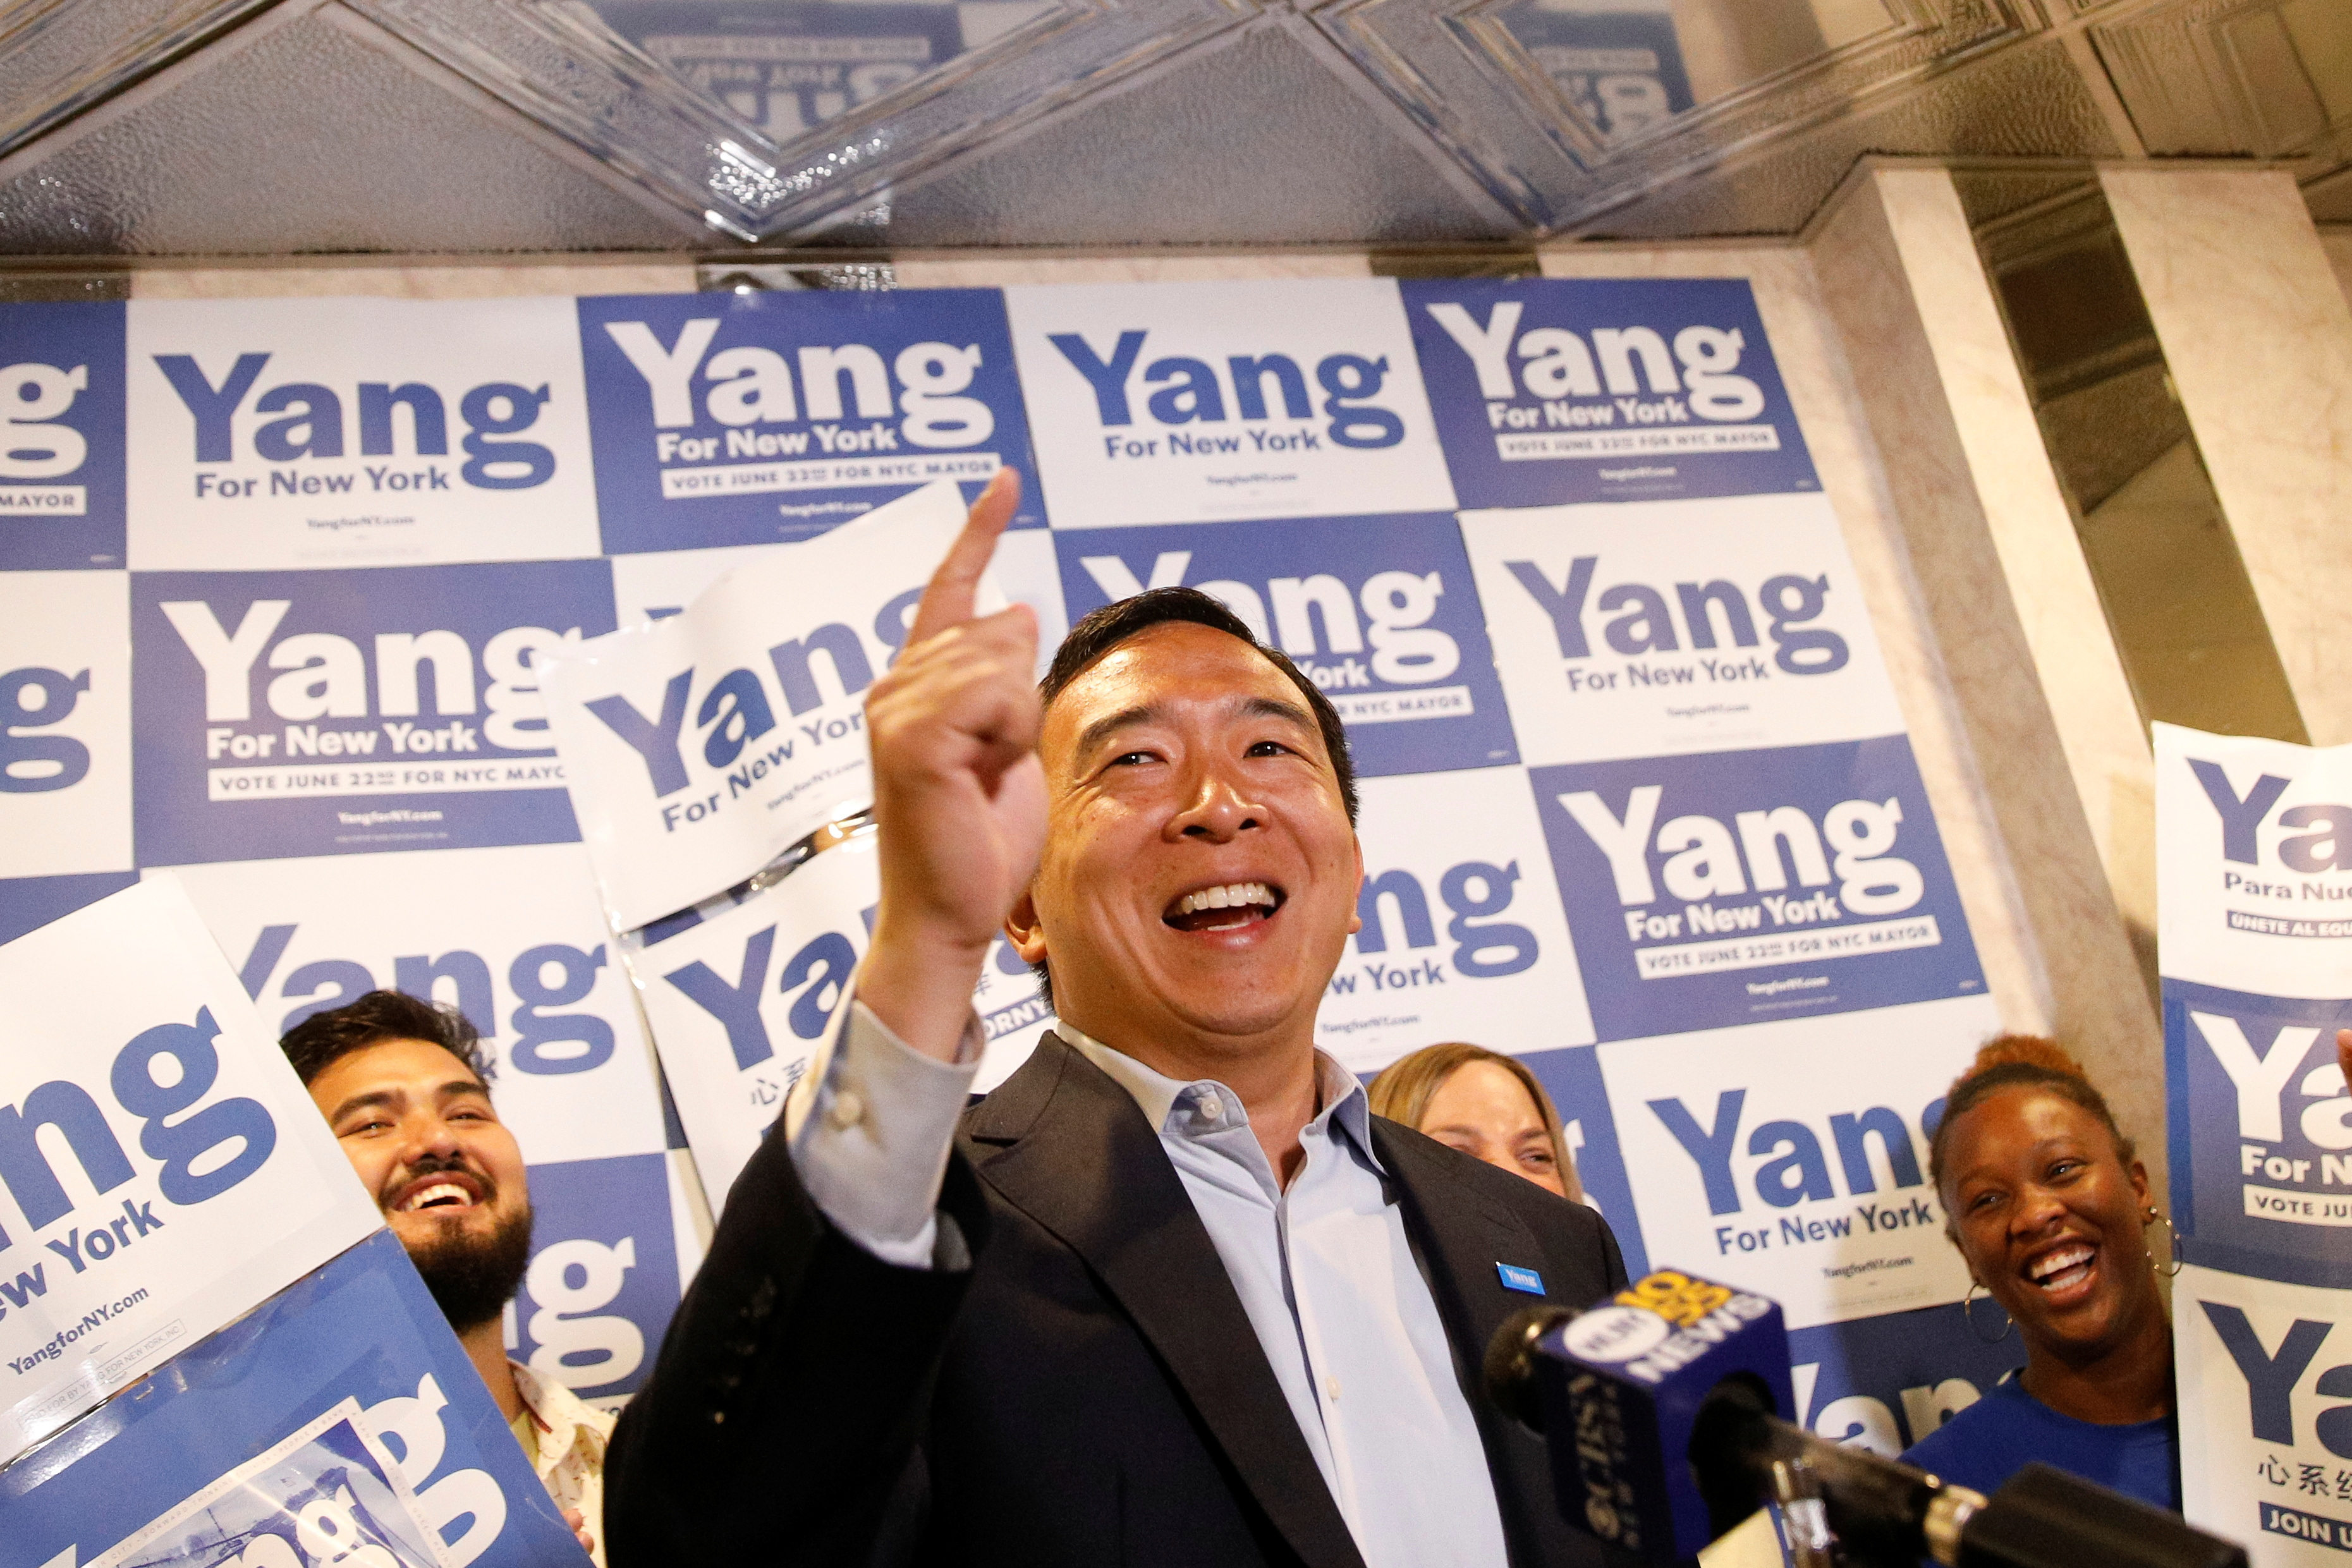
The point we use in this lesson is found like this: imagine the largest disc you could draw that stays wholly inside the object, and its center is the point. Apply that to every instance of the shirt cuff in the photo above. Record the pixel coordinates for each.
(870, 1127)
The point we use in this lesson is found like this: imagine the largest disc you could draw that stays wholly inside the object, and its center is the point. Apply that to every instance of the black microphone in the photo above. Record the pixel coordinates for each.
(1662, 1406)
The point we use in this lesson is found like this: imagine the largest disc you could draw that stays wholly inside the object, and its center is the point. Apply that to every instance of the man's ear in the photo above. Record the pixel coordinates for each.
(1025, 931)
(1355, 921)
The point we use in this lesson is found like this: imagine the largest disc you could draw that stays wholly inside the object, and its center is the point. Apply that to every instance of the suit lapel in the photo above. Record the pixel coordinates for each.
(1067, 1145)
(1463, 1236)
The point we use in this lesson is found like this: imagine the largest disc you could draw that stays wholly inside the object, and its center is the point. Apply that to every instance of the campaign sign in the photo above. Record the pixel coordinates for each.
(2264, 1370)
(771, 665)
(61, 436)
(1461, 936)
(1732, 887)
(603, 1278)
(2255, 864)
(1572, 1079)
(1791, 1157)
(1884, 1382)
(730, 419)
(1604, 390)
(788, 68)
(1640, 629)
(334, 432)
(65, 722)
(738, 1001)
(29, 902)
(339, 1423)
(509, 936)
(1619, 64)
(2260, 1127)
(164, 1168)
(1181, 402)
(1380, 612)
(741, 993)
(513, 938)
(341, 713)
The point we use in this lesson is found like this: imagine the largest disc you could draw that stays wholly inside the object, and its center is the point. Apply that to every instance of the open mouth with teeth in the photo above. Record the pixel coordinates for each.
(439, 1194)
(2063, 1270)
(1229, 906)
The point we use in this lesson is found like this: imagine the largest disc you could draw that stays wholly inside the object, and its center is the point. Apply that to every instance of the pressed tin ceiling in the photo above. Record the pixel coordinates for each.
(182, 127)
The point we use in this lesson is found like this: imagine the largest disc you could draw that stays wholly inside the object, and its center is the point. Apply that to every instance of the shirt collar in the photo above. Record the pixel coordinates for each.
(1339, 1094)
(564, 1418)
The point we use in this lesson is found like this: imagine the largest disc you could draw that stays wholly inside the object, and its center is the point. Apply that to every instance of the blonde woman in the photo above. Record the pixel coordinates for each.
(1484, 1103)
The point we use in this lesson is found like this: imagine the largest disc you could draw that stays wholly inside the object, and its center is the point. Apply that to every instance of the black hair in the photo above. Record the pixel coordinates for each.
(1103, 630)
(326, 1038)
(2009, 1061)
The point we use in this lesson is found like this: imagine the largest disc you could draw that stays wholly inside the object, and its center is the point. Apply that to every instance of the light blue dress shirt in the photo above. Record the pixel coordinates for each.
(1323, 1267)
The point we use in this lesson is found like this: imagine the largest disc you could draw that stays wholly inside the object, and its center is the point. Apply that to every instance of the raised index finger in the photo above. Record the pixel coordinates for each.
(947, 598)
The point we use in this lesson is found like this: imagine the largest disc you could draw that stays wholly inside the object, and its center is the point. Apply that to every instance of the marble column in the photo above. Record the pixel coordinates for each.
(2257, 334)
(2046, 710)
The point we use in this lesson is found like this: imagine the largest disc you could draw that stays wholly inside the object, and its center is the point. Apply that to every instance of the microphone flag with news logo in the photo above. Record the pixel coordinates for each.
(1621, 1386)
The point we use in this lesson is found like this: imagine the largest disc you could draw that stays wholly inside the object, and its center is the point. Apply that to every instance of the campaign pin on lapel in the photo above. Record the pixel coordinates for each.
(1517, 1279)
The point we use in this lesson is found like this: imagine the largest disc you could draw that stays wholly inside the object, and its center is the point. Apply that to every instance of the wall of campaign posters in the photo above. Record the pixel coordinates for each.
(2254, 877)
(283, 580)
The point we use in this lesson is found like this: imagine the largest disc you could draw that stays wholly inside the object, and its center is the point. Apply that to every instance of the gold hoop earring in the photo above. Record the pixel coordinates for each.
(1967, 1311)
(2171, 1239)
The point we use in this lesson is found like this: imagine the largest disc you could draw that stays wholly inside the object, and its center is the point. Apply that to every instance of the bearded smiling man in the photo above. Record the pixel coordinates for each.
(1169, 1295)
(403, 1084)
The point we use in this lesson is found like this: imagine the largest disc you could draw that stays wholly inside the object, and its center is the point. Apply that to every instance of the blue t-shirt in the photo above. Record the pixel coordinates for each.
(2008, 1429)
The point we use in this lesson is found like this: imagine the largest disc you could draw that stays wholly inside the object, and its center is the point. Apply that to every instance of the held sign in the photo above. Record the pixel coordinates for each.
(162, 1168)
(699, 747)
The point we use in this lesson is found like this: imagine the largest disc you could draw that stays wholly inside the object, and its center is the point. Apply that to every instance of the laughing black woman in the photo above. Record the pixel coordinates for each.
(2047, 1201)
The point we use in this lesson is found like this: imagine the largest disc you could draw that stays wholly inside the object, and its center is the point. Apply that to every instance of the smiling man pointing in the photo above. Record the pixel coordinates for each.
(1170, 1295)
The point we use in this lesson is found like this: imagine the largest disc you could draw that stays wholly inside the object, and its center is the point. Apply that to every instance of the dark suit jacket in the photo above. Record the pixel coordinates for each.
(1090, 1392)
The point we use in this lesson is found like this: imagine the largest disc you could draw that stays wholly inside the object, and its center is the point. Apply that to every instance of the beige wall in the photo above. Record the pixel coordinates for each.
(2336, 240)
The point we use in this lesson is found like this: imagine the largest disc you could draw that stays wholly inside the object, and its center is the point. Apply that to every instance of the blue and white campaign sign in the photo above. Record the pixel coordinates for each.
(1791, 1157)
(734, 418)
(1572, 1079)
(185, 1174)
(658, 584)
(509, 936)
(738, 1001)
(1619, 63)
(334, 432)
(603, 1278)
(1642, 629)
(1462, 934)
(61, 436)
(1604, 390)
(513, 940)
(339, 1423)
(1181, 402)
(341, 713)
(2254, 861)
(790, 67)
(2261, 1128)
(64, 723)
(740, 997)
(2254, 930)
(2262, 1369)
(29, 902)
(772, 664)
(1884, 1382)
(1380, 612)
(1732, 887)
